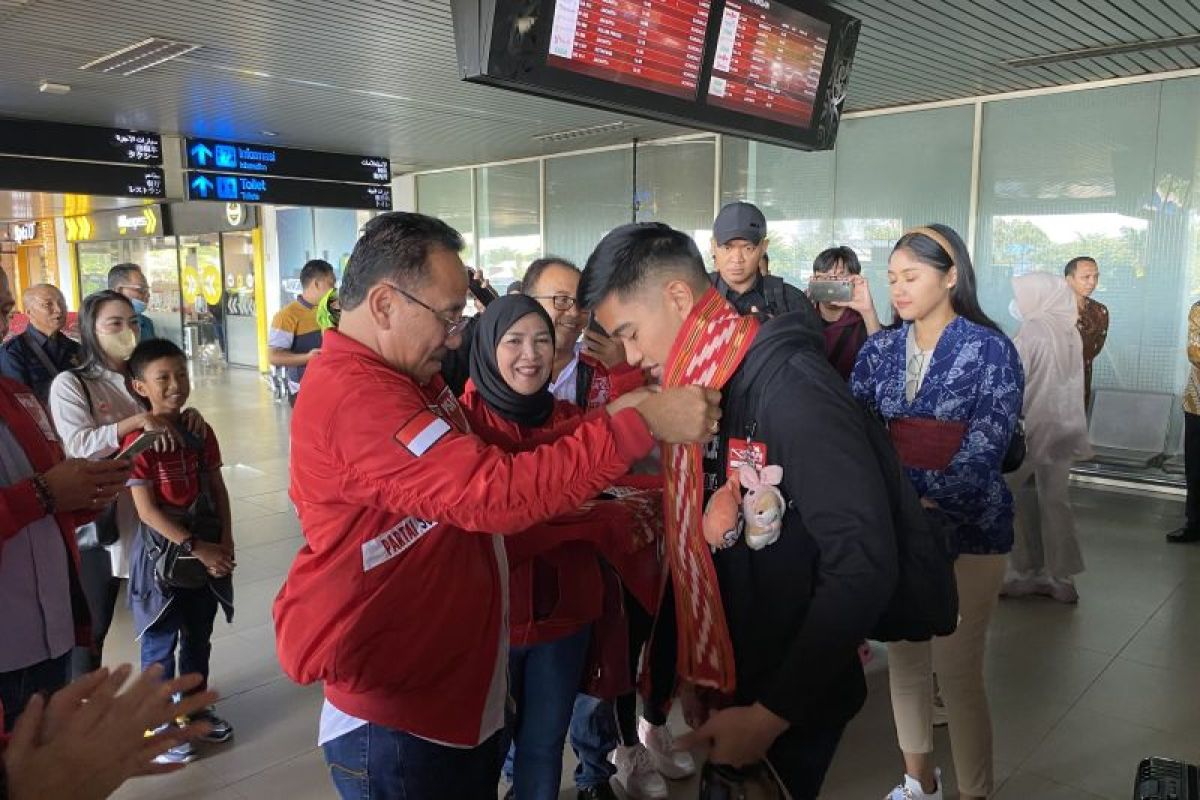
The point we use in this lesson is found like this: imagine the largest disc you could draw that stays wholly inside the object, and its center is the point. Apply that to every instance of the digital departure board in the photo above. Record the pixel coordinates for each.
(20, 137)
(80, 177)
(768, 70)
(768, 61)
(655, 45)
(257, 159)
(202, 185)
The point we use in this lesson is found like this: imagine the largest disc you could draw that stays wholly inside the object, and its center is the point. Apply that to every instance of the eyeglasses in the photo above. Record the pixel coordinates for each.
(562, 302)
(453, 326)
(141, 290)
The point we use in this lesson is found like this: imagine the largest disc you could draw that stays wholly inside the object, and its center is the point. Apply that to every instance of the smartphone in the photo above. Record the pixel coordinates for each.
(137, 446)
(484, 294)
(831, 291)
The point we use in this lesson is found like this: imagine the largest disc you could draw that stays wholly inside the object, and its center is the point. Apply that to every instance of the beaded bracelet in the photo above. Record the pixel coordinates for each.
(42, 490)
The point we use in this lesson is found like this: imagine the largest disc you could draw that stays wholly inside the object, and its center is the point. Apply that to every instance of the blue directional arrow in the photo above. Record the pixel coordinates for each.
(201, 153)
(202, 186)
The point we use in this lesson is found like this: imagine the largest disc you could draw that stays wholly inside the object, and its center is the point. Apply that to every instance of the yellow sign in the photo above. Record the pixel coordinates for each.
(210, 284)
(79, 229)
(189, 284)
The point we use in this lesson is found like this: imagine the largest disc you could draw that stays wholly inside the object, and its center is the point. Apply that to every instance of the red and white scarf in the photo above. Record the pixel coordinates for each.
(710, 347)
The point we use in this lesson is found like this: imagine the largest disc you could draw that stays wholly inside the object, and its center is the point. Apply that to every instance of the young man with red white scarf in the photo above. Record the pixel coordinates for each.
(770, 605)
(398, 599)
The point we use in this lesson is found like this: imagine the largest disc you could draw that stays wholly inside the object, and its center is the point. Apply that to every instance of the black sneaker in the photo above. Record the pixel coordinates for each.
(602, 792)
(1183, 536)
(221, 731)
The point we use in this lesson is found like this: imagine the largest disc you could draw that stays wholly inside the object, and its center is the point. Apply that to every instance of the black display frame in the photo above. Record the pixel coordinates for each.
(510, 42)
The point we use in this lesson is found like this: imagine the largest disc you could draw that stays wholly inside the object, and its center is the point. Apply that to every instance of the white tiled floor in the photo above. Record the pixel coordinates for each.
(1079, 694)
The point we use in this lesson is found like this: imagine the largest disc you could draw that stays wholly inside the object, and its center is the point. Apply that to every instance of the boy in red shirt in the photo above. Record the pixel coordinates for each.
(165, 487)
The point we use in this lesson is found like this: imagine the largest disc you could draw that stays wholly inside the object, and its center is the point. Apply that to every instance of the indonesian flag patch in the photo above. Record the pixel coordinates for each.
(422, 432)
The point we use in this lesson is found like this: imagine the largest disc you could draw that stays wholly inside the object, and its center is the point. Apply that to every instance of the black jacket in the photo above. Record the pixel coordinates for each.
(798, 609)
(770, 296)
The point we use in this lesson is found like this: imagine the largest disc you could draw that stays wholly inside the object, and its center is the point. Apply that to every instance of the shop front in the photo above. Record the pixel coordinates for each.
(30, 256)
(199, 259)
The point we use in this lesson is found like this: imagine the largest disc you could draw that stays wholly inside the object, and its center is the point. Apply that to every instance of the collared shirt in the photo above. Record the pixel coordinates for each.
(753, 300)
(146, 329)
(563, 387)
(1093, 329)
(35, 589)
(19, 362)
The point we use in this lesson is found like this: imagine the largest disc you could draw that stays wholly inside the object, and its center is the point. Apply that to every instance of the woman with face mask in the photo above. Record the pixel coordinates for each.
(555, 583)
(949, 385)
(93, 410)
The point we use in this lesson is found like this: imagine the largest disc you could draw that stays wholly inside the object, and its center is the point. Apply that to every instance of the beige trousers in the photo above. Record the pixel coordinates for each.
(1046, 540)
(958, 661)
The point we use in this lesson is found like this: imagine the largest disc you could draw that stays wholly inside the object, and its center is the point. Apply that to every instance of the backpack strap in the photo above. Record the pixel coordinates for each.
(773, 288)
(87, 394)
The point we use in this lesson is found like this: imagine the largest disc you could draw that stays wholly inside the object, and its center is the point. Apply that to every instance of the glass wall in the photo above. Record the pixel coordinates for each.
(158, 258)
(510, 228)
(448, 196)
(586, 196)
(675, 186)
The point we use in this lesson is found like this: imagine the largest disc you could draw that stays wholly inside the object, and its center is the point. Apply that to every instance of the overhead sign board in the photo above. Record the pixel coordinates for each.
(226, 188)
(286, 162)
(80, 177)
(79, 142)
(126, 223)
(21, 232)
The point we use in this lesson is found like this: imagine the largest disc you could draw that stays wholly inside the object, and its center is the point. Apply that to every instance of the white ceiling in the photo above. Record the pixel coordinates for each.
(380, 77)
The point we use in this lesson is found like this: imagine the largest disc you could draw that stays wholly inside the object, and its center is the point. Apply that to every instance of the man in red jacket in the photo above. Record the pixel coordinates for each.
(42, 499)
(397, 600)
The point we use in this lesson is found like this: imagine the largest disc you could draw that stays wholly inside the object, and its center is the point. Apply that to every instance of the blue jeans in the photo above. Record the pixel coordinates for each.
(593, 737)
(377, 763)
(188, 623)
(16, 687)
(543, 681)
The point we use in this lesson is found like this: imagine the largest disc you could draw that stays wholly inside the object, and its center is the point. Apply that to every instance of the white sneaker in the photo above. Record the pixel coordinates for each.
(636, 774)
(1022, 584)
(179, 754)
(672, 764)
(911, 789)
(1061, 589)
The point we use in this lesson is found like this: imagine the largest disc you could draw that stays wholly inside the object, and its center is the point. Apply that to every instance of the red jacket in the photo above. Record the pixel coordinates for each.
(607, 385)
(394, 601)
(29, 423)
(554, 586)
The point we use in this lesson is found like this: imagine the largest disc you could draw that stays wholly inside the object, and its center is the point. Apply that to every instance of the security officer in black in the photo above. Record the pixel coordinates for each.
(739, 244)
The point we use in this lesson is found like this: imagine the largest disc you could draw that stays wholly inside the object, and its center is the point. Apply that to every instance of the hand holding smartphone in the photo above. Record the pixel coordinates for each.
(830, 291)
(138, 446)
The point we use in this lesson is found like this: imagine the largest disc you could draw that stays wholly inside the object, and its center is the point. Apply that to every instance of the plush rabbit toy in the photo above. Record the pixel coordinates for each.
(763, 506)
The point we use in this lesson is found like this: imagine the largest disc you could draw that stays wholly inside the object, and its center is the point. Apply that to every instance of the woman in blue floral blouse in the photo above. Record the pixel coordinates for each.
(949, 385)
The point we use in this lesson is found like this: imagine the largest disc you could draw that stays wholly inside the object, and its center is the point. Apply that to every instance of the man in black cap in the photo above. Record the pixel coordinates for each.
(739, 246)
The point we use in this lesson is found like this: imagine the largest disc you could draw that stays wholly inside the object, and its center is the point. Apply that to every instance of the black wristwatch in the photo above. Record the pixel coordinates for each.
(188, 545)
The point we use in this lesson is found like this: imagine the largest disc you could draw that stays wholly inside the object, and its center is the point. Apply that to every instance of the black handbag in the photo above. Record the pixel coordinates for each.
(173, 568)
(1014, 456)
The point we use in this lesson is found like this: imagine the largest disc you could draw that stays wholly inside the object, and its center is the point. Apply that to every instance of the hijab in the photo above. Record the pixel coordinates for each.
(1052, 355)
(501, 314)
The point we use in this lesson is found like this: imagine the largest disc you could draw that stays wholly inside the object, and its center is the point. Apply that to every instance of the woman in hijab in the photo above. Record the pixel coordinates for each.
(1046, 554)
(555, 584)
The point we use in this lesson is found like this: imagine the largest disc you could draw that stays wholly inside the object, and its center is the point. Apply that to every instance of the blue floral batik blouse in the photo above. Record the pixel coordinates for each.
(974, 377)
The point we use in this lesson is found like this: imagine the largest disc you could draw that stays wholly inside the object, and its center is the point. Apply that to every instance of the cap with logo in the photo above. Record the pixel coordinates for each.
(740, 221)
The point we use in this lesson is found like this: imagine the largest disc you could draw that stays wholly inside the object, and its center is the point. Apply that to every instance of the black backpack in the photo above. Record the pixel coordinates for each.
(773, 288)
(925, 601)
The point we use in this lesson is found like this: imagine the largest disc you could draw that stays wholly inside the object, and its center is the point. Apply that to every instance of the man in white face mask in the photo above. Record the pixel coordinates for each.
(129, 280)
